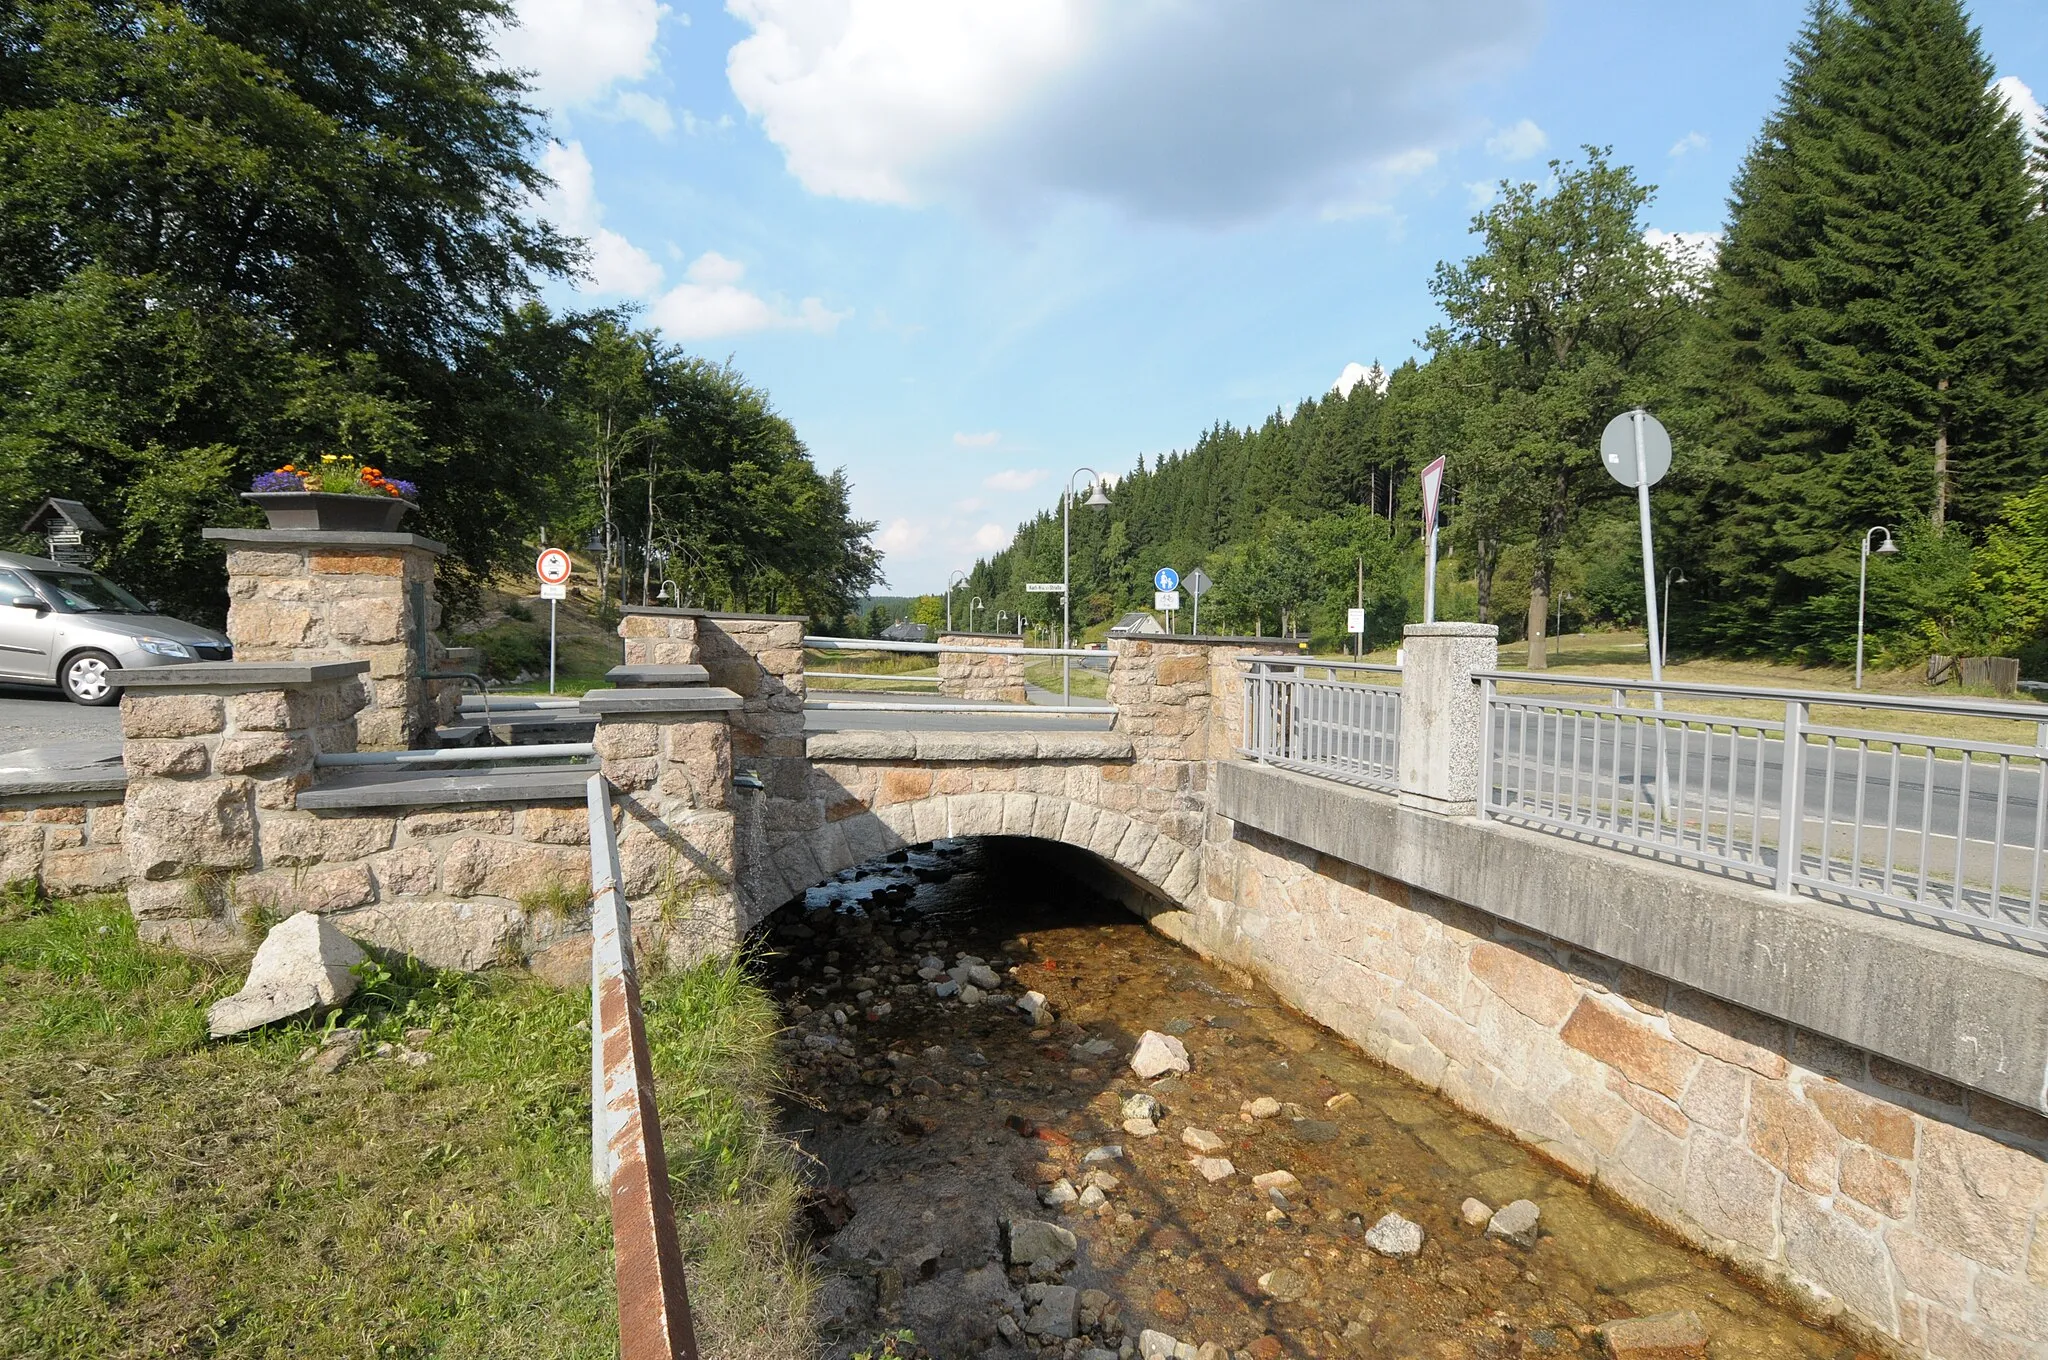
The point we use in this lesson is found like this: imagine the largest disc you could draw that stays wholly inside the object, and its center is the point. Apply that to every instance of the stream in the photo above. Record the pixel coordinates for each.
(941, 1123)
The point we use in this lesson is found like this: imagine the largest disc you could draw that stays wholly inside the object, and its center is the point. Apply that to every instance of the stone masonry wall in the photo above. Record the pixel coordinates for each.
(677, 843)
(975, 675)
(63, 846)
(1919, 1208)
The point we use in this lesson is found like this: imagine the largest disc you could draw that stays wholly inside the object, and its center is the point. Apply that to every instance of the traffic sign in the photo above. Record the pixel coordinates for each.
(1166, 601)
(1432, 483)
(1618, 447)
(1198, 583)
(1354, 620)
(552, 566)
(1045, 587)
(1166, 578)
(553, 590)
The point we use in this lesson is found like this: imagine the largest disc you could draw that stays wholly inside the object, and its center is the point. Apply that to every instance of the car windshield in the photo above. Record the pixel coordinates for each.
(81, 592)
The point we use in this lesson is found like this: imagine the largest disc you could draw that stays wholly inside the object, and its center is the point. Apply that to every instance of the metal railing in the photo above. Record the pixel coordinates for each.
(1919, 824)
(1340, 726)
(905, 703)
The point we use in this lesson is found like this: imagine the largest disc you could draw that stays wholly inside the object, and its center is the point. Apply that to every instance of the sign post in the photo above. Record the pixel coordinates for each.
(1166, 594)
(1198, 584)
(553, 568)
(1432, 485)
(1635, 448)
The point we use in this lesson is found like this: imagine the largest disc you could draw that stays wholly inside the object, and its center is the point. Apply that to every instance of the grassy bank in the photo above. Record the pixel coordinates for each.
(1087, 683)
(161, 1195)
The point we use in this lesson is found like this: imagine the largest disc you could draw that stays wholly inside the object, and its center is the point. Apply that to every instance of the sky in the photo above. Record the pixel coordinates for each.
(971, 246)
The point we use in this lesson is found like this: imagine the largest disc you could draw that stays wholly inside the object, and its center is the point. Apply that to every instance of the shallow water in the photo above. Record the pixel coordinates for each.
(939, 1120)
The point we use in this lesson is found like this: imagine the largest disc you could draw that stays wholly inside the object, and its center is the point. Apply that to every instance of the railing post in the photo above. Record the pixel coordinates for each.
(1443, 715)
(1791, 795)
(1485, 748)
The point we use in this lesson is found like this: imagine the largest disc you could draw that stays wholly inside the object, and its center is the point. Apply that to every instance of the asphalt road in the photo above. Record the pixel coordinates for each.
(42, 730)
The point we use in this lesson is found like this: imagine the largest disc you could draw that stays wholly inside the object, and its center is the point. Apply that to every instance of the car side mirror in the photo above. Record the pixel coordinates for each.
(28, 602)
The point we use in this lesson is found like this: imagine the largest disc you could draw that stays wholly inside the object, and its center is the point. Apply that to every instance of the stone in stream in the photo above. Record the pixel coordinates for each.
(302, 965)
(1516, 1223)
(1158, 1054)
(1201, 1140)
(1283, 1181)
(942, 990)
(1315, 1131)
(1214, 1168)
(1394, 1236)
(984, 977)
(970, 994)
(1055, 1311)
(1343, 1100)
(1108, 1152)
(1155, 1345)
(1035, 1005)
(1265, 1107)
(1141, 1106)
(1284, 1284)
(1031, 1239)
(1140, 1128)
(1661, 1336)
(1102, 1180)
(1060, 1193)
(1091, 1197)
(1475, 1213)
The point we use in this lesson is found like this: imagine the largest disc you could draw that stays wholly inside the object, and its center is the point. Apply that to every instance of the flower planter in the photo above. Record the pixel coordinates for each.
(328, 510)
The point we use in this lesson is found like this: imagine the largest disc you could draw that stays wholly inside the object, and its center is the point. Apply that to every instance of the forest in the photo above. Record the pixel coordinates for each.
(235, 235)
(1867, 346)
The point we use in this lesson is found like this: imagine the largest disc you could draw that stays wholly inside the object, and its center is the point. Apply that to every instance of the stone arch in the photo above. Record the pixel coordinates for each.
(1164, 865)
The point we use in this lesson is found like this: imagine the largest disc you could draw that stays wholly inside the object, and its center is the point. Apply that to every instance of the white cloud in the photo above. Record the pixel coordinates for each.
(579, 49)
(1014, 479)
(646, 110)
(2020, 99)
(1517, 143)
(616, 265)
(1374, 377)
(1695, 251)
(1689, 143)
(991, 538)
(697, 127)
(1205, 110)
(1480, 192)
(984, 440)
(969, 505)
(710, 302)
(900, 536)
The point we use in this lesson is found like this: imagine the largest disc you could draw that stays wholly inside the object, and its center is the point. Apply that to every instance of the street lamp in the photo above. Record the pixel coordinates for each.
(1098, 500)
(1862, 577)
(973, 605)
(951, 586)
(1664, 640)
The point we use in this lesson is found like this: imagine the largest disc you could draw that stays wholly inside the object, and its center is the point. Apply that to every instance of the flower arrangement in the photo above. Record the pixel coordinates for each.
(337, 474)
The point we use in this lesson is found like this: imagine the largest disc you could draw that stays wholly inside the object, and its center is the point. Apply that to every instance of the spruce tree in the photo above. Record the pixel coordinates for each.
(1873, 351)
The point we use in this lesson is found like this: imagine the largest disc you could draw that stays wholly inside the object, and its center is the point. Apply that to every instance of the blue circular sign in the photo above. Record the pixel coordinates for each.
(1166, 578)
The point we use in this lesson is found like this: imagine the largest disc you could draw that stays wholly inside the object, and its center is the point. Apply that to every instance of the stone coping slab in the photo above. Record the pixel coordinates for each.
(385, 788)
(671, 612)
(970, 746)
(44, 787)
(657, 677)
(237, 674)
(1968, 1010)
(323, 538)
(702, 699)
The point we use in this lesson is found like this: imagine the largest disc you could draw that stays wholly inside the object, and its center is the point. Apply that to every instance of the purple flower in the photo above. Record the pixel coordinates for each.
(278, 481)
(406, 490)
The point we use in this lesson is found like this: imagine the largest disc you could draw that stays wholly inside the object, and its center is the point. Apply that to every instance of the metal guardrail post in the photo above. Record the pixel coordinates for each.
(1485, 748)
(625, 1127)
(1791, 796)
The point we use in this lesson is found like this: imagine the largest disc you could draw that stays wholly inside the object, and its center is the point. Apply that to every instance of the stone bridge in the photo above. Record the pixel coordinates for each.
(1847, 1107)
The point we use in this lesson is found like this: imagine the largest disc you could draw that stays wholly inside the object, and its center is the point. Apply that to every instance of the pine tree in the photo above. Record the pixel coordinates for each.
(1874, 344)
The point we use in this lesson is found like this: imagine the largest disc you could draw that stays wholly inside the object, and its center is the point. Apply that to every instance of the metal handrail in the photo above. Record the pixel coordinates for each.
(1282, 659)
(962, 706)
(878, 645)
(1960, 708)
(460, 755)
(1339, 729)
(871, 675)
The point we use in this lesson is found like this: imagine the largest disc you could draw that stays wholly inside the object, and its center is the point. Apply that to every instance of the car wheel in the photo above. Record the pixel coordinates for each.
(85, 679)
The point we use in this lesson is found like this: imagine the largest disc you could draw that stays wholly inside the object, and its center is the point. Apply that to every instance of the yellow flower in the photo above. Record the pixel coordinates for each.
(326, 457)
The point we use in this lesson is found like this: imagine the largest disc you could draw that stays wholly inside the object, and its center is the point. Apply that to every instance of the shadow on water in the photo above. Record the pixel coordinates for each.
(936, 1119)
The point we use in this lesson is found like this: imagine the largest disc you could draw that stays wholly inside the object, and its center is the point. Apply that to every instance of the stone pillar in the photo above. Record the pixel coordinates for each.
(978, 676)
(314, 595)
(668, 752)
(209, 748)
(1441, 714)
(1168, 692)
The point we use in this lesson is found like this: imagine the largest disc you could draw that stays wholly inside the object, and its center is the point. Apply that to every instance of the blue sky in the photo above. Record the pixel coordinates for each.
(970, 245)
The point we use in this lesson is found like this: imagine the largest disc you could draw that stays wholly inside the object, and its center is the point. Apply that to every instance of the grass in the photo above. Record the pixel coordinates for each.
(162, 1195)
(890, 670)
(1088, 683)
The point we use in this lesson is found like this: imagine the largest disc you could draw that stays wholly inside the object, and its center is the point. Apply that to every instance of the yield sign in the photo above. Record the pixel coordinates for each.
(1432, 483)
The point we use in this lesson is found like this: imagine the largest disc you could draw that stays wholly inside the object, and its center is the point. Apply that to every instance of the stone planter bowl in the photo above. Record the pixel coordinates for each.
(329, 510)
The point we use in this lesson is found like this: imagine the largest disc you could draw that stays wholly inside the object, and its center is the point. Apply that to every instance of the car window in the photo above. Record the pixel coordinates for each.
(84, 593)
(12, 586)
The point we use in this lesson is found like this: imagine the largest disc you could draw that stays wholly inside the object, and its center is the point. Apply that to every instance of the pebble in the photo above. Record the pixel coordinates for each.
(970, 994)
(1284, 1284)
(1093, 1048)
(1157, 1054)
(1156, 1345)
(1214, 1168)
(1265, 1107)
(984, 977)
(1516, 1223)
(935, 1052)
(1396, 1237)
(1474, 1212)
(1201, 1140)
(1141, 1106)
(1283, 1181)
(1343, 1100)
(1661, 1336)
(1102, 1180)
(1140, 1128)
(1011, 1332)
(1108, 1152)
(1055, 1311)
(942, 990)
(1091, 1197)
(1035, 1005)
(1060, 1192)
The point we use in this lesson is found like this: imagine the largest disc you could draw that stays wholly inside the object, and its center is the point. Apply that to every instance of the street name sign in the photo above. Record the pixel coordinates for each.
(1045, 587)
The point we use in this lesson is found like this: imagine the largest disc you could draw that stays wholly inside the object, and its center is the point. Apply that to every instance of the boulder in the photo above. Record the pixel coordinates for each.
(1516, 1223)
(1394, 1236)
(301, 967)
(1055, 1311)
(1031, 1239)
(1661, 1336)
(1158, 1054)
(1141, 1106)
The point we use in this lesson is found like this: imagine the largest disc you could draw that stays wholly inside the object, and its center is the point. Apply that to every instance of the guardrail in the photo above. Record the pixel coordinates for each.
(626, 1156)
(1911, 823)
(1342, 729)
(840, 644)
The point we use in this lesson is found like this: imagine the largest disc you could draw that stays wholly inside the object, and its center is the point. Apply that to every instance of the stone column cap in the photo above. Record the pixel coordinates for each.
(237, 674)
(629, 702)
(1467, 630)
(683, 613)
(656, 677)
(322, 538)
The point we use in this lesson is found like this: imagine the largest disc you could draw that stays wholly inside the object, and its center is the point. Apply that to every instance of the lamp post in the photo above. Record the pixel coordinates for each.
(952, 585)
(1664, 628)
(1862, 579)
(1098, 500)
(973, 605)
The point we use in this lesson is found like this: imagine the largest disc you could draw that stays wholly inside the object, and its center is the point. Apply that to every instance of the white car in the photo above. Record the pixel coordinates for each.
(65, 626)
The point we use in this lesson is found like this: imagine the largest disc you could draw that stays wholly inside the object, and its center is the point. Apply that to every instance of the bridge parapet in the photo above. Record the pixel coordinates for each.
(970, 671)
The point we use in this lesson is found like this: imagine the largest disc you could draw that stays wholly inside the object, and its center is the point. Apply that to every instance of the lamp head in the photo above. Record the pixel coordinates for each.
(1887, 546)
(1095, 496)
(1681, 579)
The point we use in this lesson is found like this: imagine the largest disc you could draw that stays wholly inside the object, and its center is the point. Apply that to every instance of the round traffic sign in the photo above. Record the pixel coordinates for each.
(1618, 447)
(552, 566)
(1166, 578)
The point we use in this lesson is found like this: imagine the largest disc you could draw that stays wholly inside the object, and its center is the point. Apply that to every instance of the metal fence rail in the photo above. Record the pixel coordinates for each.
(1917, 824)
(1340, 726)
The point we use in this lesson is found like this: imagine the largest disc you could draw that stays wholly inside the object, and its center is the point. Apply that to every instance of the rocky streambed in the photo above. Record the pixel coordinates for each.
(995, 1177)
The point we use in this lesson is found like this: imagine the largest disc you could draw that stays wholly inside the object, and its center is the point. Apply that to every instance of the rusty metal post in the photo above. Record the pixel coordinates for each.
(626, 1151)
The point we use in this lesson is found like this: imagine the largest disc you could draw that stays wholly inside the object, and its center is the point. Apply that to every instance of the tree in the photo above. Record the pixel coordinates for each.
(1876, 340)
(1563, 317)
